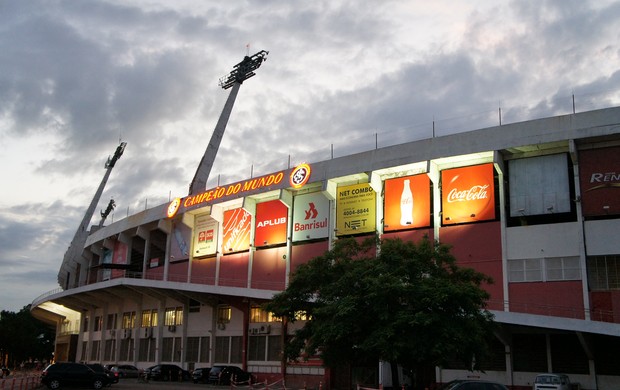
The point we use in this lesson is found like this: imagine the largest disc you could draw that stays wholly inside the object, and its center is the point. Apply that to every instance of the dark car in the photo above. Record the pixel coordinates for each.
(167, 372)
(59, 375)
(466, 384)
(101, 369)
(223, 375)
(125, 370)
(201, 375)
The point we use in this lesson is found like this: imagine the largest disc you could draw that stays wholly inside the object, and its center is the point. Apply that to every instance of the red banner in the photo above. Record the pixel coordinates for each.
(236, 230)
(467, 194)
(271, 223)
(407, 203)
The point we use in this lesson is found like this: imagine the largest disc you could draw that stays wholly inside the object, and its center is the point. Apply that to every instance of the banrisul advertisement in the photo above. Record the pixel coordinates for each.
(355, 209)
(310, 217)
(205, 236)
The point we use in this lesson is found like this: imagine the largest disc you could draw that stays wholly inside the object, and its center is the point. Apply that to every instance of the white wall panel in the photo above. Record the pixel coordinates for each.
(602, 237)
(530, 242)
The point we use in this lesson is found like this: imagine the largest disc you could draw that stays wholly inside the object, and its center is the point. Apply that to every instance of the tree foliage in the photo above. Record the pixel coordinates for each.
(23, 337)
(410, 304)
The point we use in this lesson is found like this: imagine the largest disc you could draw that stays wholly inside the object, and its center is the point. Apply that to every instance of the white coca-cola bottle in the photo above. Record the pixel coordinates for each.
(406, 205)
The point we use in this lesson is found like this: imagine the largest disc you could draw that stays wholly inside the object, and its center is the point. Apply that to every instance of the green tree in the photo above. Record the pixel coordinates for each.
(410, 305)
(23, 337)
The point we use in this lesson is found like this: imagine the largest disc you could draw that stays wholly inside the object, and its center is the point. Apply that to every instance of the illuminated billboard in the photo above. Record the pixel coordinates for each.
(205, 236)
(467, 194)
(355, 209)
(236, 230)
(271, 223)
(599, 176)
(407, 203)
(310, 217)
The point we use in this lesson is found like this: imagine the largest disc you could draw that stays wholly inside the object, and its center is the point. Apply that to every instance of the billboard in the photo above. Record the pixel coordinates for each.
(599, 177)
(355, 209)
(236, 230)
(467, 194)
(539, 185)
(310, 217)
(179, 245)
(271, 223)
(205, 235)
(407, 203)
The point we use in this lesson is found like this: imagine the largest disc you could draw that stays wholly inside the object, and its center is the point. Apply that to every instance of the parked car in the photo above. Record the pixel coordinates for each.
(222, 375)
(552, 382)
(101, 369)
(59, 375)
(467, 384)
(167, 372)
(125, 370)
(201, 375)
(4, 372)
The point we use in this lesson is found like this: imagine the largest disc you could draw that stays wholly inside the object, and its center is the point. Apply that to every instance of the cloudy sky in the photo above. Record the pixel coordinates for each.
(78, 76)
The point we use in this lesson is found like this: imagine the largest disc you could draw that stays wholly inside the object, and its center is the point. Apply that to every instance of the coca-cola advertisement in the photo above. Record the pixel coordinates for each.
(407, 203)
(599, 176)
(467, 194)
(271, 223)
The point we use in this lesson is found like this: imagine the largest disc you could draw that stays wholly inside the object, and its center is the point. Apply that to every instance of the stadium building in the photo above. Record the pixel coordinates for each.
(535, 205)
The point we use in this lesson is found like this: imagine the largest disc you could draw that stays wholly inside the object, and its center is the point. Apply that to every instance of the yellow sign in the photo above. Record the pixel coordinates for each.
(355, 209)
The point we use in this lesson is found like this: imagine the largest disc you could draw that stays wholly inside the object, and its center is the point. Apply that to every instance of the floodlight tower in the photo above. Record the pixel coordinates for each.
(241, 72)
(74, 252)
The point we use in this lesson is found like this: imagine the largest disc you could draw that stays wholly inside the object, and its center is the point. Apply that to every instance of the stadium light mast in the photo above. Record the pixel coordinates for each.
(74, 252)
(241, 72)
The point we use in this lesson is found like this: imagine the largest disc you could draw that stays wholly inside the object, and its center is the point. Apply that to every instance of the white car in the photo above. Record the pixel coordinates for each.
(552, 382)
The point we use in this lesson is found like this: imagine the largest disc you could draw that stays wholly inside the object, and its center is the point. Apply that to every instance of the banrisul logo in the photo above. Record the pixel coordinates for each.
(300, 175)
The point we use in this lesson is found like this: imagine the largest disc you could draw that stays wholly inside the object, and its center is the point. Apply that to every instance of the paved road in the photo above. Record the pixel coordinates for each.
(133, 384)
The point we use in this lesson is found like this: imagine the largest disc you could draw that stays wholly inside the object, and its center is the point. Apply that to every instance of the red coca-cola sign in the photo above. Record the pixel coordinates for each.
(468, 194)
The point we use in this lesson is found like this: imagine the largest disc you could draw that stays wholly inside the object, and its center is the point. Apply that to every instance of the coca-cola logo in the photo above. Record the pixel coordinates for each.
(468, 194)
(474, 193)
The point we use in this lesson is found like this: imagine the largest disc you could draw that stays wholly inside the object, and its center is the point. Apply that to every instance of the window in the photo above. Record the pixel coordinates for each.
(85, 324)
(192, 349)
(98, 323)
(274, 348)
(256, 348)
(126, 350)
(204, 349)
(544, 270)
(109, 350)
(223, 314)
(604, 272)
(149, 318)
(94, 350)
(84, 345)
(236, 349)
(173, 316)
(129, 319)
(262, 348)
(259, 315)
(166, 346)
(221, 349)
(525, 270)
(302, 315)
(562, 268)
(111, 322)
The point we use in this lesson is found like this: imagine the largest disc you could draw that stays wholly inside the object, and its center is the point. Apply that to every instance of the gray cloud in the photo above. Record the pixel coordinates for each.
(80, 76)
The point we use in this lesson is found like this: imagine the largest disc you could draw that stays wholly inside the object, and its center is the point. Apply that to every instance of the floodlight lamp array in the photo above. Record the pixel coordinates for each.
(244, 70)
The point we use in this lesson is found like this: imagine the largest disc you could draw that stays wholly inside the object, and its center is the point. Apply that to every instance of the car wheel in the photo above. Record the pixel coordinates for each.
(54, 384)
(98, 384)
(165, 378)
